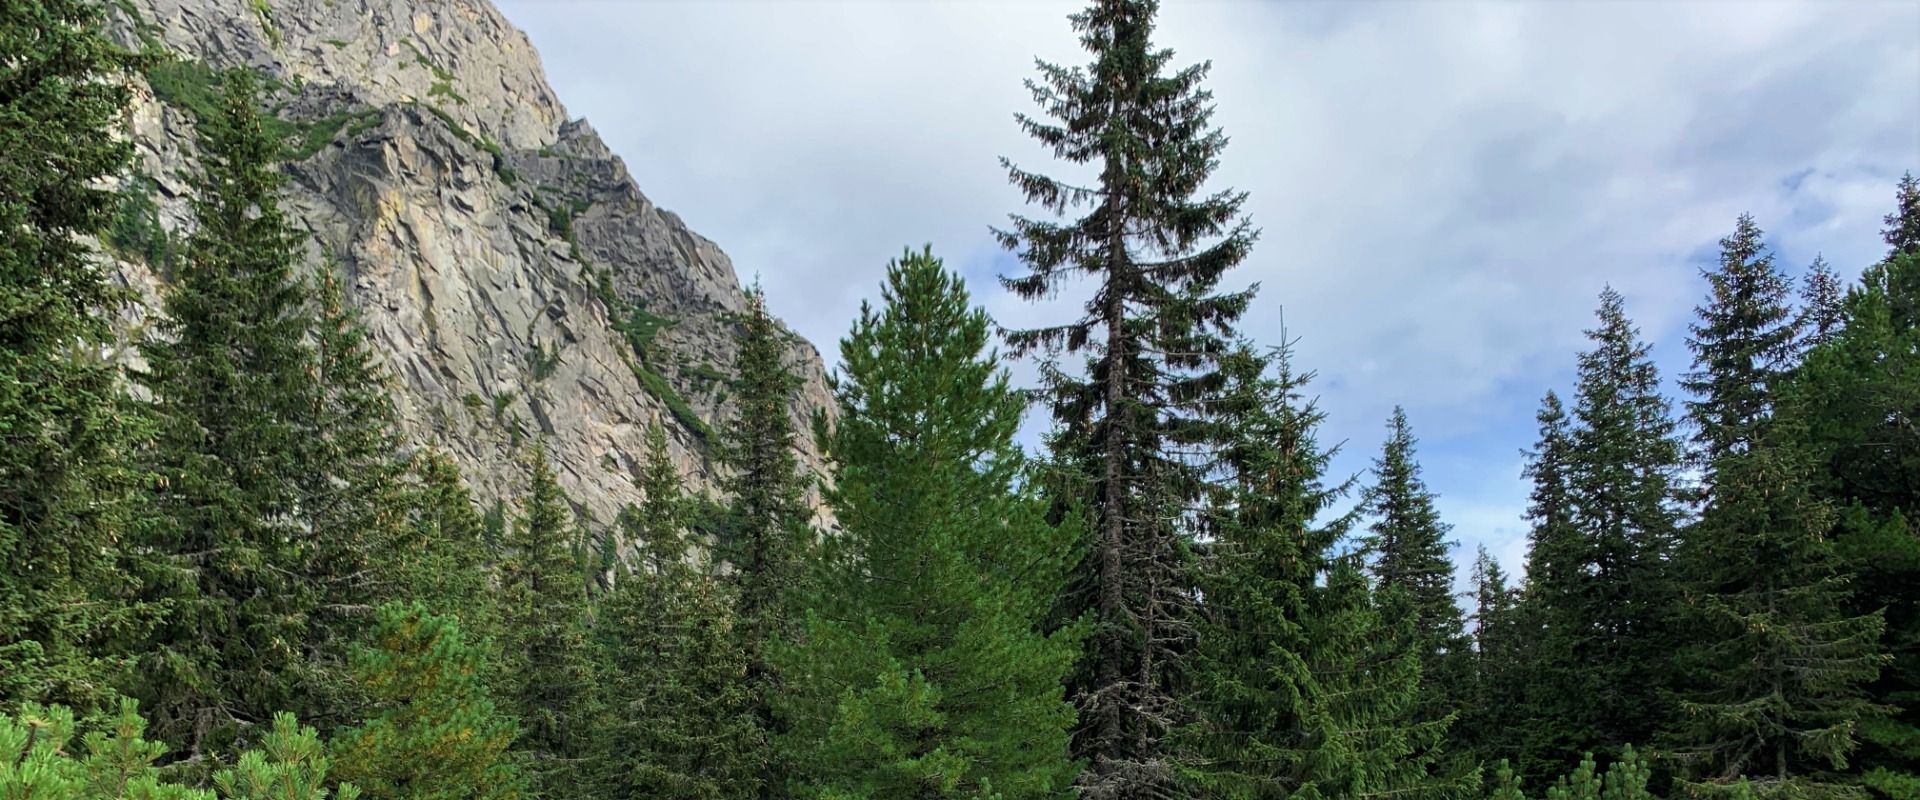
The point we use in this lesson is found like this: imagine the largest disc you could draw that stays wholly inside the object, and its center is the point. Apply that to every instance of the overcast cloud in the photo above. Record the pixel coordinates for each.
(1442, 187)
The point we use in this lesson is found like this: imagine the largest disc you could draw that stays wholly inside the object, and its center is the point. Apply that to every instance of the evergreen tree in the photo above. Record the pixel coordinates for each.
(1821, 314)
(1134, 423)
(432, 732)
(1598, 592)
(544, 617)
(66, 499)
(1252, 671)
(1741, 344)
(233, 382)
(925, 670)
(1854, 399)
(1490, 718)
(36, 762)
(1407, 548)
(676, 724)
(1902, 233)
(290, 764)
(765, 531)
(1779, 668)
(449, 562)
(1371, 741)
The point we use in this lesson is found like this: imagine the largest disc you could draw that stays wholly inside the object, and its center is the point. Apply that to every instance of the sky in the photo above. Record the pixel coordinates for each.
(1442, 188)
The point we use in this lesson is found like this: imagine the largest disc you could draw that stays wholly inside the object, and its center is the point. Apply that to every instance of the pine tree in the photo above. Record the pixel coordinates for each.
(1741, 344)
(1407, 548)
(926, 673)
(1902, 233)
(432, 731)
(1779, 667)
(765, 531)
(1134, 424)
(233, 382)
(290, 764)
(1252, 674)
(450, 562)
(66, 489)
(1821, 313)
(675, 723)
(546, 657)
(1598, 594)
(37, 760)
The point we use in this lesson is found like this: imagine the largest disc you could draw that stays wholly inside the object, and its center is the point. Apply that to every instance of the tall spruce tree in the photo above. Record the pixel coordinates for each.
(1407, 548)
(448, 564)
(66, 490)
(233, 378)
(1855, 399)
(675, 724)
(1778, 669)
(546, 658)
(1490, 719)
(1260, 725)
(1821, 312)
(927, 673)
(1133, 422)
(1741, 343)
(1598, 589)
(765, 530)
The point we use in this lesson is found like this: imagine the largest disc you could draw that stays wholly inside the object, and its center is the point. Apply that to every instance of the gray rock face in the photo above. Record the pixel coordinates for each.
(518, 284)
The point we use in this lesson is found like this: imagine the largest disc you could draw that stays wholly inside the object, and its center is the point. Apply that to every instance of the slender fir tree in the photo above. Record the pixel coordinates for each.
(927, 672)
(1821, 313)
(1407, 548)
(1490, 718)
(1902, 233)
(765, 531)
(448, 563)
(1133, 423)
(1742, 343)
(675, 724)
(234, 381)
(1270, 534)
(66, 487)
(546, 657)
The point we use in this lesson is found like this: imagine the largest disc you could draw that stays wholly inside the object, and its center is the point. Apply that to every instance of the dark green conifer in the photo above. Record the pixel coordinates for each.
(446, 561)
(1133, 424)
(546, 659)
(765, 530)
(233, 380)
(66, 490)
(1406, 547)
(675, 723)
(1741, 343)
(923, 670)
(1490, 721)
(1821, 312)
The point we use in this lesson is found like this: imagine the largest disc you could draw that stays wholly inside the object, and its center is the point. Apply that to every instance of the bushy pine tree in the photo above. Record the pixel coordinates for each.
(675, 724)
(923, 670)
(66, 490)
(432, 731)
(1134, 423)
(37, 760)
(1406, 547)
(1742, 343)
(765, 530)
(545, 656)
(1598, 596)
(234, 381)
(290, 763)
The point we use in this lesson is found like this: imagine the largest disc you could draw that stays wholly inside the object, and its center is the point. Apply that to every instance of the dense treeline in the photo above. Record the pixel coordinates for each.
(222, 573)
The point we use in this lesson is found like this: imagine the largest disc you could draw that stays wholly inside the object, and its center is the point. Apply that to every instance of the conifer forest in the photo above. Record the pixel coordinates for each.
(226, 571)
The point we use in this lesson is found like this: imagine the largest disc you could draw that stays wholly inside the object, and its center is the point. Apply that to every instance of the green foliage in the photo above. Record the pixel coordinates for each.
(1135, 424)
(676, 722)
(922, 670)
(136, 232)
(35, 760)
(290, 764)
(432, 732)
(68, 490)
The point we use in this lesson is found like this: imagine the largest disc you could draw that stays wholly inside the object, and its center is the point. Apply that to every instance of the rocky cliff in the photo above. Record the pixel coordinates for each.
(517, 282)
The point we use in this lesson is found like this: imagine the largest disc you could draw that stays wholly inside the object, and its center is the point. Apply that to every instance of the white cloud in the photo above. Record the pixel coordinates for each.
(1442, 187)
